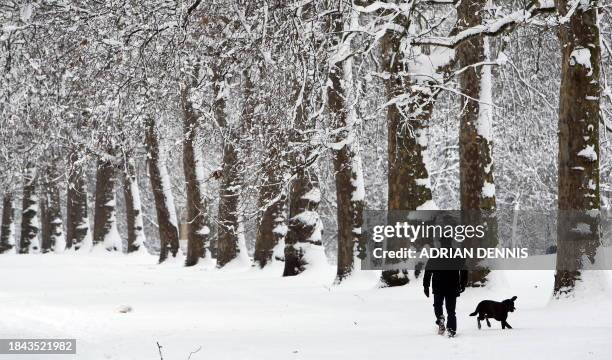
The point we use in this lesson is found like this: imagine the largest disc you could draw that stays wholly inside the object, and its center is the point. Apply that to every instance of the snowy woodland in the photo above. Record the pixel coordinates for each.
(257, 132)
(196, 160)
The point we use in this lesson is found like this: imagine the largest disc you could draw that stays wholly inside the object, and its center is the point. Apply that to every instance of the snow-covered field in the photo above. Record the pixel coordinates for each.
(244, 313)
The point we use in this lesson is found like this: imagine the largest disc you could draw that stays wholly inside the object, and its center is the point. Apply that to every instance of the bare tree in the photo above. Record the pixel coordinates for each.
(197, 230)
(105, 222)
(133, 207)
(305, 226)
(477, 188)
(578, 222)
(77, 218)
(52, 234)
(228, 219)
(162, 192)
(7, 231)
(272, 197)
(350, 191)
(408, 113)
(30, 223)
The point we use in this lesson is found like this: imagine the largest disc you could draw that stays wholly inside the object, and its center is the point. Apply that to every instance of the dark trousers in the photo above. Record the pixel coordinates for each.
(450, 301)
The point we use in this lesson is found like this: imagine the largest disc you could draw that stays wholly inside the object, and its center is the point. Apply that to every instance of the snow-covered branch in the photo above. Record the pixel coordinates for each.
(491, 28)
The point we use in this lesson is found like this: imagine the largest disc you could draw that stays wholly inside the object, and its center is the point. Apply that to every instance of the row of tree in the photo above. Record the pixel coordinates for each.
(266, 90)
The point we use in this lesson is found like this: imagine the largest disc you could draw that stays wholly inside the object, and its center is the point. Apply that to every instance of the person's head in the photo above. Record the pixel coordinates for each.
(447, 219)
(446, 243)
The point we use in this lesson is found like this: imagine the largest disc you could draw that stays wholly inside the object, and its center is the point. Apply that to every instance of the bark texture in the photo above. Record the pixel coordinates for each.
(162, 193)
(407, 120)
(51, 211)
(7, 231)
(45, 236)
(229, 196)
(579, 118)
(272, 197)
(133, 208)
(407, 123)
(477, 193)
(77, 218)
(305, 227)
(303, 240)
(228, 241)
(30, 223)
(105, 226)
(304, 222)
(197, 230)
(272, 203)
(346, 158)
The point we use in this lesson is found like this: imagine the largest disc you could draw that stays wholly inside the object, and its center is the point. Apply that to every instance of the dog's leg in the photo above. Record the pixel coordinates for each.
(506, 324)
(488, 322)
(480, 318)
(503, 324)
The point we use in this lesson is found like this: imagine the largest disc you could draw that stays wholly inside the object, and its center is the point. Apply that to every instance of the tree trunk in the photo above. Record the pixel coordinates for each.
(162, 193)
(228, 219)
(305, 226)
(408, 117)
(7, 232)
(197, 231)
(228, 231)
(45, 232)
(133, 208)
(105, 223)
(30, 224)
(51, 211)
(579, 118)
(77, 217)
(272, 199)
(350, 190)
(477, 188)
(407, 120)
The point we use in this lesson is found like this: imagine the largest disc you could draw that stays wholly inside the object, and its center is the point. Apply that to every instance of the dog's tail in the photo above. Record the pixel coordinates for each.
(475, 311)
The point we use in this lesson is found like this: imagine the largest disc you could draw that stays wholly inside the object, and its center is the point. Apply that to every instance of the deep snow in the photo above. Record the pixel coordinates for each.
(245, 313)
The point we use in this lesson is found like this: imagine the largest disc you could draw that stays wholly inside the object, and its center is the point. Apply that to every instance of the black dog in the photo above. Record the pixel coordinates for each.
(493, 309)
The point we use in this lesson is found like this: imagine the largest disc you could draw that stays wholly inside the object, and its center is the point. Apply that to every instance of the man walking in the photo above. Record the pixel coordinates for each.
(448, 279)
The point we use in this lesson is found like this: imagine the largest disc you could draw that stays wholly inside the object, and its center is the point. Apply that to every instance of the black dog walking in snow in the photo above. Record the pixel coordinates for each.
(448, 279)
(493, 309)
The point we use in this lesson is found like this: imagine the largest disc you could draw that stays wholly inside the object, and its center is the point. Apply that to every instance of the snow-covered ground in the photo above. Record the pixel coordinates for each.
(244, 313)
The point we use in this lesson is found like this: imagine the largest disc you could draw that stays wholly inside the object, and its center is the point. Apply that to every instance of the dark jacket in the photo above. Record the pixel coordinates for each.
(445, 282)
